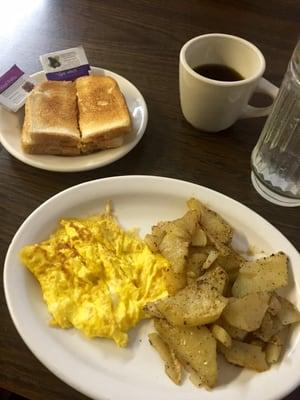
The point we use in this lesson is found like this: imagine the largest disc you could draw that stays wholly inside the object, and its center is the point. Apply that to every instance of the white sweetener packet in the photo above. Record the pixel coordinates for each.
(15, 85)
(65, 65)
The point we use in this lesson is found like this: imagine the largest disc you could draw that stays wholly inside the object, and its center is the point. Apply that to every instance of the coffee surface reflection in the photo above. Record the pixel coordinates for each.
(218, 72)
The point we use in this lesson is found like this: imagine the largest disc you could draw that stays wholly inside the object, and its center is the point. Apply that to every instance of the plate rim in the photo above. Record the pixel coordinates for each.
(53, 369)
(93, 165)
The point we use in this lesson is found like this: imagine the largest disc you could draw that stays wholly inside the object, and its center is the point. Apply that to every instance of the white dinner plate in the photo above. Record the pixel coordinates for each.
(97, 367)
(11, 125)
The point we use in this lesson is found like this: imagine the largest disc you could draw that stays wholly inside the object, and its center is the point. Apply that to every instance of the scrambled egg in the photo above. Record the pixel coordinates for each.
(96, 277)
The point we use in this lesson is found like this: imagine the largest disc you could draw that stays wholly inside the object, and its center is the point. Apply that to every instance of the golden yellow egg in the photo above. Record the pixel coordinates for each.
(96, 277)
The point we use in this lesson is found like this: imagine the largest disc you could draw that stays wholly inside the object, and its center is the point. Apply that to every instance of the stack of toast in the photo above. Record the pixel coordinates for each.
(72, 118)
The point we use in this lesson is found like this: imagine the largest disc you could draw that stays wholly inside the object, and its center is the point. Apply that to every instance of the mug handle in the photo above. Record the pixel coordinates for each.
(263, 86)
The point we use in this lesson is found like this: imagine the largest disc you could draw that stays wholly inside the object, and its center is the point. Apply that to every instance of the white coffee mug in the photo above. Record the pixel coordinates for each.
(213, 105)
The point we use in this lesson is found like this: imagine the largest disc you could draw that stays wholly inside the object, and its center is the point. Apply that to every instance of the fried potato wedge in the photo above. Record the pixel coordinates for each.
(195, 305)
(216, 277)
(189, 224)
(152, 310)
(257, 342)
(194, 346)
(270, 326)
(273, 352)
(211, 258)
(175, 281)
(247, 312)
(263, 275)
(172, 239)
(230, 262)
(199, 238)
(245, 355)
(213, 223)
(195, 261)
(274, 305)
(172, 365)
(175, 250)
(218, 300)
(235, 333)
(222, 248)
(280, 337)
(221, 335)
(194, 378)
(154, 238)
(288, 313)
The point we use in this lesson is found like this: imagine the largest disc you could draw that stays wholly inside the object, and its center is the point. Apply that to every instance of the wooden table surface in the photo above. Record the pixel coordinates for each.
(140, 40)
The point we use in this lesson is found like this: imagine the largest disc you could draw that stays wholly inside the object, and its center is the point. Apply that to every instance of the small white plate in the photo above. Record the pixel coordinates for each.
(11, 125)
(96, 367)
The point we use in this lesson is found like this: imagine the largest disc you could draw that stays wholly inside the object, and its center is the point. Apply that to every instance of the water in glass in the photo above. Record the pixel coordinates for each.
(276, 157)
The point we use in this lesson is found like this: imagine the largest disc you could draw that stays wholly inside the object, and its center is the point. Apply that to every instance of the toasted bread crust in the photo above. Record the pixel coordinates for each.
(102, 108)
(54, 148)
(52, 114)
(101, 145)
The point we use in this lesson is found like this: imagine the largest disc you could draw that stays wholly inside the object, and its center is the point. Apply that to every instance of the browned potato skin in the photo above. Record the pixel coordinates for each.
(195, 346)
(245, 355)
(247, 312)
(263, 275)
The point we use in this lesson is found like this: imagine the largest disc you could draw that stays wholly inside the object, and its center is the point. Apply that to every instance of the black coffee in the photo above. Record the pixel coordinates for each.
(218, 72)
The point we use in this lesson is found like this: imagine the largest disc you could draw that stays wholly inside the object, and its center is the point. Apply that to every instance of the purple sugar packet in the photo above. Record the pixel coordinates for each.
(69, 74)
(15, 85)
(10, 77)
(65, 65)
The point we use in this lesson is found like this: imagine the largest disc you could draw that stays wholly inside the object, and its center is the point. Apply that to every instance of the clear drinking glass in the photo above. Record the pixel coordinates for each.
(275, 160)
